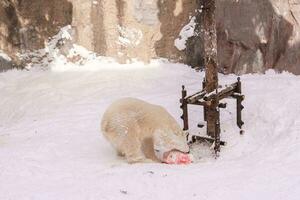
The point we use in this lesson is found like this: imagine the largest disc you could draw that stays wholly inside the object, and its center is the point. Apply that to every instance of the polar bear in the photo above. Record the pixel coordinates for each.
(142, 132)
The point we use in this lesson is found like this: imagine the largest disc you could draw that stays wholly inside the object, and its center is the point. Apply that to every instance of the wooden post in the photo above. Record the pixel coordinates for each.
(209, 34)
(204, 107)
(239, 106)
(184, 107)
(217, 127)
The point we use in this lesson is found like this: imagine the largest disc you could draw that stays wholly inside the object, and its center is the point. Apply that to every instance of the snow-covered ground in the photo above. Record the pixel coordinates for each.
(51, 146)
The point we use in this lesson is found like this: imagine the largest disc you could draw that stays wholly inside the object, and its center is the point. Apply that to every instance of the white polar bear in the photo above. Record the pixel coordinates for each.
(142, 132)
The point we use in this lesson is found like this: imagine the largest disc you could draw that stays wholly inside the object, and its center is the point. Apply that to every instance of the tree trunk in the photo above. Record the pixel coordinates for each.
(209, 34)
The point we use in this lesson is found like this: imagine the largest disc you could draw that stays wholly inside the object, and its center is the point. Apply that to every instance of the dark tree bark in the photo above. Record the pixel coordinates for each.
(208, 21)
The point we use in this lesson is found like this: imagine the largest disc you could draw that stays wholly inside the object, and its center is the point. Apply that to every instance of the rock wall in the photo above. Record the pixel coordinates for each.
(26, 25)
(253, 35)
(9, 27)
(256, 35)
(132, 29)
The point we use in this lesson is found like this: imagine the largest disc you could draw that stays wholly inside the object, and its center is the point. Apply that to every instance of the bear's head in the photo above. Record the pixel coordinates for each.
(167, 140)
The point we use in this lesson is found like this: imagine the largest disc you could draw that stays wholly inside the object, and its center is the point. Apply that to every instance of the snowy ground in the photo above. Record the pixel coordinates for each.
(51, 146)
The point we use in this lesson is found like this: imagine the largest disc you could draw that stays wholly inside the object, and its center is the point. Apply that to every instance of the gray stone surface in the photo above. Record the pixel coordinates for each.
(256, 35)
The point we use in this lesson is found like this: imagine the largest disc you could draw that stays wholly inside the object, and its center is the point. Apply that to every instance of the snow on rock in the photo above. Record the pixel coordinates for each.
(62, 54)
(51, 146)
(129, 36)
(60, 50)
(4, 56)
(186, 32)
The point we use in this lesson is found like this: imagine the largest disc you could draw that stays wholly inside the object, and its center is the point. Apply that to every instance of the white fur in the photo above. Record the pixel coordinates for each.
(140, 131)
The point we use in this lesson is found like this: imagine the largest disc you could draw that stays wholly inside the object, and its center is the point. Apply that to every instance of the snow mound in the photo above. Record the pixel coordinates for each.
(60, 50)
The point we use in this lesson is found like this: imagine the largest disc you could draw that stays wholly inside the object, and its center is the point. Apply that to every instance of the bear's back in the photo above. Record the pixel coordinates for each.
(128, 112)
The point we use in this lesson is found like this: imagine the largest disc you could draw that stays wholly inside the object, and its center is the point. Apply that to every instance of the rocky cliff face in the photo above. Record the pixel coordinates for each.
(27, 25)
(132, 29)
(253, 35)
(9, 27)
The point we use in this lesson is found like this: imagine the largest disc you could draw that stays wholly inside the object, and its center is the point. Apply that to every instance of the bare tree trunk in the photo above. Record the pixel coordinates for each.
(209, 34)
